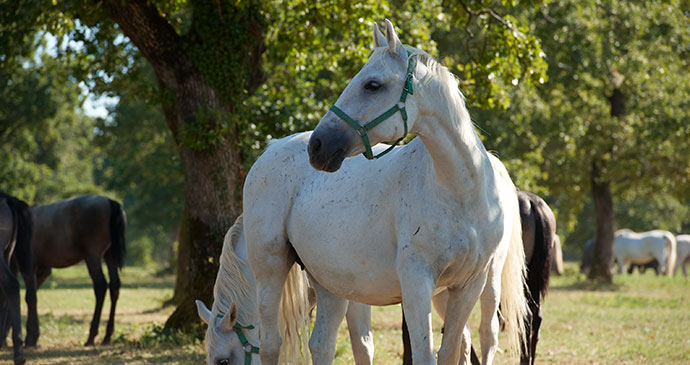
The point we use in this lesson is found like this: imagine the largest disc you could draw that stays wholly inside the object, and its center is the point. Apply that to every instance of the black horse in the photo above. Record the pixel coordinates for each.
(89, 228)
(15, 243)
(538, 237)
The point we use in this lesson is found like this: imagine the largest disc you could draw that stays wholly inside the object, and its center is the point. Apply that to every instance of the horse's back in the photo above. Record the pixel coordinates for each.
(73, 227)
(640, 247)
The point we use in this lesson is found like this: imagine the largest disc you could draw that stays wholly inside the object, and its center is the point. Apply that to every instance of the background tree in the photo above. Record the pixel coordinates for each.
(613, 118)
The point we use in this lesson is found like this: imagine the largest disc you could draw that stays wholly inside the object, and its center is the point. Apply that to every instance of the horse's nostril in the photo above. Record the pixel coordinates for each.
(315, 146)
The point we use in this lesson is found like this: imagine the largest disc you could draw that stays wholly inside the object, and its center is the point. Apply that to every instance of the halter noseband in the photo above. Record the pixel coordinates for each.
(249, 349)
(400, 106)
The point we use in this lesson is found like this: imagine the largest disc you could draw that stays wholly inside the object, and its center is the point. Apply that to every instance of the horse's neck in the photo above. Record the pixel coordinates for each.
(460, 162)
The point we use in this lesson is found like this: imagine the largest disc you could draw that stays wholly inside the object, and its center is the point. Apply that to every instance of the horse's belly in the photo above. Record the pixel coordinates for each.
(347, 261)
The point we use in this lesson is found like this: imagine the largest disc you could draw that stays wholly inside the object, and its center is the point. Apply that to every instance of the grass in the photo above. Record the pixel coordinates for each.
(639, 319)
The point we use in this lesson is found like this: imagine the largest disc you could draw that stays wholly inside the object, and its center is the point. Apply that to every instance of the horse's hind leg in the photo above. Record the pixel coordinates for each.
(114, 294)
(10, 288)
(330, 311)
(359, 325)
(100, 286)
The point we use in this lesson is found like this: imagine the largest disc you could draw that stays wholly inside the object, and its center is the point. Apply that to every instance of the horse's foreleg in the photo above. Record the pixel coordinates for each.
(10, 287)
(100, 286)
(114, 286)
(440, 302)
(271, 261)
(458, 309)
(330, 311)
(359, 325)
(417, 288)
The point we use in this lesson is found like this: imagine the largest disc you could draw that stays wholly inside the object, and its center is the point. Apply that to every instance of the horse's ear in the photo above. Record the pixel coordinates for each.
(379, 38)
(393, 41)
(204, 313)
(229, 319)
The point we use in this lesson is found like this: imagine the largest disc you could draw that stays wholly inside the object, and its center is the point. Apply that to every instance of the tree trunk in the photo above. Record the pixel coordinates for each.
(606, 222)
(602, 259)
(193, 112)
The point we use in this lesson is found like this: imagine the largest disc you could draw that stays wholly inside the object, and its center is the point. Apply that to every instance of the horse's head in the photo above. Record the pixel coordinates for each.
(228, 342)
(376, 106)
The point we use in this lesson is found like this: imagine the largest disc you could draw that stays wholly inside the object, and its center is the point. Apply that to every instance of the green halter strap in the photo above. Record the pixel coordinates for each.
(249, 349)
(400, 106)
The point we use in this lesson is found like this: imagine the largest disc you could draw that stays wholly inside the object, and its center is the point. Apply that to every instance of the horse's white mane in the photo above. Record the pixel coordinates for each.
(231, 283)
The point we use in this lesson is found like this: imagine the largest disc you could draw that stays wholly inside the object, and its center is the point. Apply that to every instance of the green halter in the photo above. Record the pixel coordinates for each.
(400, 106)
(249, 349)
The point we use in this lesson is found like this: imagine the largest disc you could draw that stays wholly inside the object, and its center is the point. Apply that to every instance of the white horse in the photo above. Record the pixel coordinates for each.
(639, 248)
(682, 253)
(430, 215)
(232, 335)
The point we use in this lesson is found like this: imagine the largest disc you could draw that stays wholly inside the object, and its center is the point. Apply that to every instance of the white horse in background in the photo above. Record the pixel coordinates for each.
(428, 216)
(232, 336)
(639, 248)
(682, 253)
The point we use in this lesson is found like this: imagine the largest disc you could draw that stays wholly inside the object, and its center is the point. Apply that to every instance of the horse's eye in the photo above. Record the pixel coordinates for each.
(372, 85)
(223, 362)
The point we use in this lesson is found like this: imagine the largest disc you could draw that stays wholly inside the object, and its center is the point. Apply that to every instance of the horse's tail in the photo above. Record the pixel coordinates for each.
(513, 301)
(295, 318)
(670, 249)
(118, 225)
(539, 267)
(557, 255)
(24, 232)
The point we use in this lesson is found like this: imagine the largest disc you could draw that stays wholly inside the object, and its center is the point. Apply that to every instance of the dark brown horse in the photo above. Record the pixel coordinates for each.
(15, 244)
(89, 228)
(538, 237)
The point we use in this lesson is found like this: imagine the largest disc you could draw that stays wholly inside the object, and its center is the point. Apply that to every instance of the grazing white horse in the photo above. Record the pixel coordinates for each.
(232, 335)
(639, 248)
(429, 215)
(682, 253)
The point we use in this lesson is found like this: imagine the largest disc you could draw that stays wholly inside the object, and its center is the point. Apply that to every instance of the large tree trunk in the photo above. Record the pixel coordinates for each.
(600, 269)
(212, 165)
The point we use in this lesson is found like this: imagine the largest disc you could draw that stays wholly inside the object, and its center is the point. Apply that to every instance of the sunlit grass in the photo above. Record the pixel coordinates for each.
(640, 319)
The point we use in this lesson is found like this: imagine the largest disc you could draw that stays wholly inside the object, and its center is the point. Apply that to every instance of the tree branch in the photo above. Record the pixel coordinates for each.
(157, 40)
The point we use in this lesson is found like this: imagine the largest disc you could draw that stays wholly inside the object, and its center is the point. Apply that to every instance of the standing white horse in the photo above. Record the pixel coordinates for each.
(232, 335)
(682, 253)
(639, 248)
(429, 215)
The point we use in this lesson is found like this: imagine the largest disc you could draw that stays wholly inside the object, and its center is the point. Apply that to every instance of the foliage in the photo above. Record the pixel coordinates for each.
(556, 130)
(139, 159)
(47, 141)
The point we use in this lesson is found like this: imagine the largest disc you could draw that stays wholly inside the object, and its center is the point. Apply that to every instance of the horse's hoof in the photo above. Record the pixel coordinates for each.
(106, 341)
(30, 342)
(19, 360)
(89, 343)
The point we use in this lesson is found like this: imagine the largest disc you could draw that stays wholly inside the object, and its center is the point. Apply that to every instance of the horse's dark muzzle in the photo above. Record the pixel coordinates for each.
(326, 154)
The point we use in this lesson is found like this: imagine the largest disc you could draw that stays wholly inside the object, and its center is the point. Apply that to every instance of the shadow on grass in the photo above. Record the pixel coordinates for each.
(581, 283)
(80, 283)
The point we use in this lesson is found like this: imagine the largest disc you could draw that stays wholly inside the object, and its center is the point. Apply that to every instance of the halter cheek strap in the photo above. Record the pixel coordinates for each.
(399, 107)
(249, 349)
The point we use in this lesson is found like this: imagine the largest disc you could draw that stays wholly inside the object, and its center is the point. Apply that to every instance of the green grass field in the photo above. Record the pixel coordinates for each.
(641, 319)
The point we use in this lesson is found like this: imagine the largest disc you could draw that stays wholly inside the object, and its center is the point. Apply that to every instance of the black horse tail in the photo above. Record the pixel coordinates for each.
(539, 268)
(24, 231)
(118, 225)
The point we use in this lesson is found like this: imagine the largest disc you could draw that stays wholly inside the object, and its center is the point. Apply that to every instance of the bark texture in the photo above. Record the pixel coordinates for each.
(212, 174)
